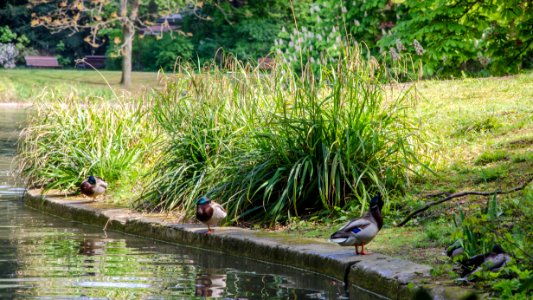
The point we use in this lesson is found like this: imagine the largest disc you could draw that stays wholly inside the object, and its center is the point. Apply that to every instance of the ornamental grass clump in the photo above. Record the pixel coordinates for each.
(68, 138)
(206, 117)
(273, 145)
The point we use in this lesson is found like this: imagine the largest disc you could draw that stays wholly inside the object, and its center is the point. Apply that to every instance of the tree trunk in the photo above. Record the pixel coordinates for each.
(126, 56)
(128, 30)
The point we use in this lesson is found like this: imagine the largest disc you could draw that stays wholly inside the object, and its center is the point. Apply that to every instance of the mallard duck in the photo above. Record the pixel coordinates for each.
(361, 231)
(93, 187)
(209, 212)
(491, 261)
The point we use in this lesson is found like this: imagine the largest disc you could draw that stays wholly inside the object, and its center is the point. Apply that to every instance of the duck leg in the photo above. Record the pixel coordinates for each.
(356, 250)
(209, 230)
(363, 250)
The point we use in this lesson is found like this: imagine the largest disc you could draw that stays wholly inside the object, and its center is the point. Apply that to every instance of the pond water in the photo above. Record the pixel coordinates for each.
(45, 257)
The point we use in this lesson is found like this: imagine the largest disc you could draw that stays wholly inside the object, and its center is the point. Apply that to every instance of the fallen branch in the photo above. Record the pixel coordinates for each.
(461, 194)
(435, 195)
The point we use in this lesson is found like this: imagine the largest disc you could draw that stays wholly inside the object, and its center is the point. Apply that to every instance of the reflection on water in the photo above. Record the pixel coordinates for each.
(46, 257)
(11, 121)
(43, 256)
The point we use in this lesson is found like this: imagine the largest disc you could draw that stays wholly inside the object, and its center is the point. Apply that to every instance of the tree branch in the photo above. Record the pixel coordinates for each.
(461, 194)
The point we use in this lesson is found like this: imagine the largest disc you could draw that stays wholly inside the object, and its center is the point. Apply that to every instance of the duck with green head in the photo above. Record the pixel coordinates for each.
(359, 232)
(93, 187)
(209, 212)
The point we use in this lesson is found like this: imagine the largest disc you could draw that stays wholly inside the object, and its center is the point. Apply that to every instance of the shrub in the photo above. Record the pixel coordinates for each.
(274, 145)
(163, 52)
(68, 139)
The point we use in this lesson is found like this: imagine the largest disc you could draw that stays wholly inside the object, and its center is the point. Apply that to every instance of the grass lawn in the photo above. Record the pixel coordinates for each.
(21, 85)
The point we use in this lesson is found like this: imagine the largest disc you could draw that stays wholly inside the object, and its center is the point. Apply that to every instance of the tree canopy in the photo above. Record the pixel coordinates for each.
(446, 37)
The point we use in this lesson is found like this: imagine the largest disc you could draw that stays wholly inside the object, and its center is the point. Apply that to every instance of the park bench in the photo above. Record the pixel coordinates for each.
(96, 61)
(41, 61)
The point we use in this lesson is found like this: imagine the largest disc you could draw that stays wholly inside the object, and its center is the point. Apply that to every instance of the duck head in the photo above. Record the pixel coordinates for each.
(92, 180)
(497, 249)
(377, 202)
(203, 201)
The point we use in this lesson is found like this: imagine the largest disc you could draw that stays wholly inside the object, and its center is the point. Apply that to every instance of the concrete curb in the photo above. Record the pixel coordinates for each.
(384, 276)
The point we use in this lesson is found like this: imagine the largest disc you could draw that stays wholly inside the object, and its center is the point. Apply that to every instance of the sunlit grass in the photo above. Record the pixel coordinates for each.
(24, 85)
(471, 116)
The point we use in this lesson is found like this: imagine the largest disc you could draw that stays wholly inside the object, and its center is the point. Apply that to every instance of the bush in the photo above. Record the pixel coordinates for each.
(274, 145)
(164, 52)
(68, 139)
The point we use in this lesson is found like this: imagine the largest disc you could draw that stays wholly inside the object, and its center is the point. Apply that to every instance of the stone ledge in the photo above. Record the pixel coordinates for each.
(384, 276)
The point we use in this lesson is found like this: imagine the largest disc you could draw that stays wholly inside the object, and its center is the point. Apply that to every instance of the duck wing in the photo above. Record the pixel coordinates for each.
(218, 210)
(351, 227)
(216, 214)
(495, 261)
(101, 182)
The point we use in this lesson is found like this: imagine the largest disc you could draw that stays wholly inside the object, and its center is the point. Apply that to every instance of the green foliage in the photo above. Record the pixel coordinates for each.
(372, 19)
(519, 287)
(150, 52)
(20, 41)
(314, 40)
(63, 61)
(39, 40)
(246, 29)
(443, 37)
(467, 36)
(453, 38)
(473, 233)
(156, 52)
(271, 146)
(256, 37)
(198, 137)
(440, 270)
(322, 25)
(6, 35)
(69, 139)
